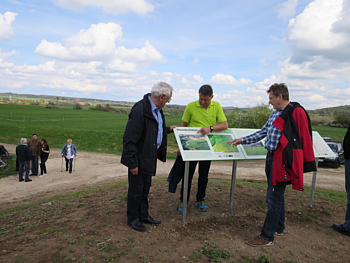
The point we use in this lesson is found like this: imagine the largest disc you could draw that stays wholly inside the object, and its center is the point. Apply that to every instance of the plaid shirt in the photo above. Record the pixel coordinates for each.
(269, 131)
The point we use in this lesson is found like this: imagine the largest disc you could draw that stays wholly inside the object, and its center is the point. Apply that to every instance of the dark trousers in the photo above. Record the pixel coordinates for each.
(275, 217)
(35, 168)
(137, 204)
(24, 165)
(70, 161)
(203, 171)
(43, 166)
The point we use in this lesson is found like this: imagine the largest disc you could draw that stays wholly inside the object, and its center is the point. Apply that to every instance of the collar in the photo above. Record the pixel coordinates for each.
(153, 106)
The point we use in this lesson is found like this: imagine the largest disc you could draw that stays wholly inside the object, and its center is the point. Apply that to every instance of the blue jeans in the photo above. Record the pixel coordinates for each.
(275, 217)
(35, 169)
(26, 166)
(70, 161)
(346, 225)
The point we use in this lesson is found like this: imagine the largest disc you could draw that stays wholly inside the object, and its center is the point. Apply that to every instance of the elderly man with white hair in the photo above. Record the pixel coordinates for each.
(24, 156)
(145, 141)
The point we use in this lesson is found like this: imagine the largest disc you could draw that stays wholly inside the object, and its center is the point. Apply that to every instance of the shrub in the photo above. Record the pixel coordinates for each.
(251, 117)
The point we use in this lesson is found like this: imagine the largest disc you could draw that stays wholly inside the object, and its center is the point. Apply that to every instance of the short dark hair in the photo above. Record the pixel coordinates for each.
(34, 134)
(279, 88)
(206, 90)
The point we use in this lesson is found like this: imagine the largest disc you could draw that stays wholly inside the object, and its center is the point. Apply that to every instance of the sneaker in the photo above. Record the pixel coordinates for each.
(180, 209)
(41, 176)
(201, 206)
(260, 227)
(259, 242)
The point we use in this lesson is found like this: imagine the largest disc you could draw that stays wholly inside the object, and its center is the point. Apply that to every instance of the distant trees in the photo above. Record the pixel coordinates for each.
(341, 121)
(251, 117)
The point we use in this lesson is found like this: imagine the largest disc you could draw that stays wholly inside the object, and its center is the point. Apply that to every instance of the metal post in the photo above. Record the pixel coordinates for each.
(313, 185)
(233, 186)
(185, 191)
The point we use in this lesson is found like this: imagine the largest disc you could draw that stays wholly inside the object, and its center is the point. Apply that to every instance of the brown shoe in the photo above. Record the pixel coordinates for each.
(260, 227)
(259, 242)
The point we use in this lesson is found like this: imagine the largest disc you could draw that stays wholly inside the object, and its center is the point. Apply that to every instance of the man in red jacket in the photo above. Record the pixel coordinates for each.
(289, 154)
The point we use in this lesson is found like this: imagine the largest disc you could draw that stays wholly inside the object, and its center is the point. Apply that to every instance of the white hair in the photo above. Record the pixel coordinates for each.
(161, 88)
(23, 140)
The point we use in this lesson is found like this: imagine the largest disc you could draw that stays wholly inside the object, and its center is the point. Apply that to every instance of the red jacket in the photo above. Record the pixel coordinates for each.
(294, 154)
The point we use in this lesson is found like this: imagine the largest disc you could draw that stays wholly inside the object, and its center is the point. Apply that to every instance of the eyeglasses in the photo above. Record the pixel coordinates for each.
(169, 99)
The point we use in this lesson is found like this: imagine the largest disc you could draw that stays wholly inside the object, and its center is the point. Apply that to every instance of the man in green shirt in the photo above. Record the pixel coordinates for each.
(210, 116)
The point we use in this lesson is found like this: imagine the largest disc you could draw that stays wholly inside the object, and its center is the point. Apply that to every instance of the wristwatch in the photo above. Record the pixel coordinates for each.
(211, 128)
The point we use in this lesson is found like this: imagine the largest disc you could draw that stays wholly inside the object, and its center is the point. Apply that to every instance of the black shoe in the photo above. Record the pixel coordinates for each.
(150, 220)
(21, 180)
(31, 174)
(28, 180)
(70, 172)
(137, 225)
(341, 229)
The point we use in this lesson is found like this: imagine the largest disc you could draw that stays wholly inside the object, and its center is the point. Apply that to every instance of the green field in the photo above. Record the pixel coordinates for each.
(94, 131)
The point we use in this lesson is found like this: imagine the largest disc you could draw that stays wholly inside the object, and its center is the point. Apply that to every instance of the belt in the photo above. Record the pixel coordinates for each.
(270, 152)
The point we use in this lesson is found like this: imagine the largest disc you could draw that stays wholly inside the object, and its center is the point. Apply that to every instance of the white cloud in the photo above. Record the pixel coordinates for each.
(317, 31)
(286, 9)
(198, 78)
(115, 7)
(7, 54)
(6, 20)
(146, 54)
(195, 61)
(96, 43)
(229, 80)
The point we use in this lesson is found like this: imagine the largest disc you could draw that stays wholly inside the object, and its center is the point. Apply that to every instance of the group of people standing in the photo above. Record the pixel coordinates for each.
(288, 143)
(29, 153)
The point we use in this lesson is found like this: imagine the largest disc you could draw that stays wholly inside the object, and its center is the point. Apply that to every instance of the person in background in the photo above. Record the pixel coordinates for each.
(45, 150)
(289, 154)
(24, 156)
(68, 152)
(345, 227)
(35, 147)
(145, 141)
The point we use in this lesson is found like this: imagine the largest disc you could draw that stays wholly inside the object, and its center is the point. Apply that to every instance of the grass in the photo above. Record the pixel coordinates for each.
(93, 131)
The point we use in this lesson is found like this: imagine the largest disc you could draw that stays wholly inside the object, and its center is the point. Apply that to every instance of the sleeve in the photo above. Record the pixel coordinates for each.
(304, 133)
(220, 114)
(132, 137)
(256, 136)
(39, 149)
(63, 149)
(187, 114)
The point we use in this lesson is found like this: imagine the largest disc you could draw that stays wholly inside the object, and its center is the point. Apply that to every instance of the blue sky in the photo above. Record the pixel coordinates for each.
(118, 49)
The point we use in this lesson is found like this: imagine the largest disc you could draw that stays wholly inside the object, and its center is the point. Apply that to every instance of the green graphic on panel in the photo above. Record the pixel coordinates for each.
(255, 149)
(194, 142)
(219, 143)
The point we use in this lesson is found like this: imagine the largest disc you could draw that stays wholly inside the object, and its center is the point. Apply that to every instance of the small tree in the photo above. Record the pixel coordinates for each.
(341, 120)
(251, 117)
(77, 106)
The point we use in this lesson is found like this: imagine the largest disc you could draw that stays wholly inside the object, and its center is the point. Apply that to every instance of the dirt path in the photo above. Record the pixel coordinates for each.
(92, 169)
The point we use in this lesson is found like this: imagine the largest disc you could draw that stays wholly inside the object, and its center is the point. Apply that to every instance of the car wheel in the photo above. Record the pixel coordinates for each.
(337, 163)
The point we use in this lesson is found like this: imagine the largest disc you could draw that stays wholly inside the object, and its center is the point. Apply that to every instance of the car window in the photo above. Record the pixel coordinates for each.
(333, 147)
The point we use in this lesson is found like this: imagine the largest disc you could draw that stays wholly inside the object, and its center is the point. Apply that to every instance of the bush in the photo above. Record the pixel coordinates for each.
(251, 117)
(77, 106)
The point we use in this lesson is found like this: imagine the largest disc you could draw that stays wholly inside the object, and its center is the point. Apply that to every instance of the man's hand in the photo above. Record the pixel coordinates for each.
(178, 152)
(173, 127)
(235, 142)
(204, 130)
(135, 171)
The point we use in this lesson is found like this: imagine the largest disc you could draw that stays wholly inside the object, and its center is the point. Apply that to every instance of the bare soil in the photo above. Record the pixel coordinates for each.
(81, 217)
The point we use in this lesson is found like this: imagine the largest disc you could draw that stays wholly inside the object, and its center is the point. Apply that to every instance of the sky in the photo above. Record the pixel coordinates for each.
(117, 50)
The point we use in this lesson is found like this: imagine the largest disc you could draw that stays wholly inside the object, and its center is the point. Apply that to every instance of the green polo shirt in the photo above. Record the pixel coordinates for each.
(197, 116)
